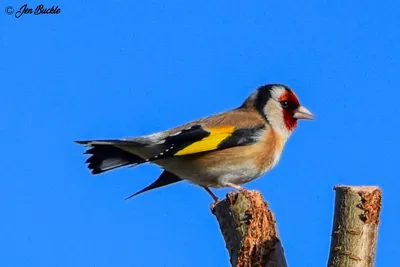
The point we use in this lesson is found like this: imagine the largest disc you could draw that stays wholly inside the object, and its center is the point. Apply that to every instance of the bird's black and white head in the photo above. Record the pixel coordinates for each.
(279, 106)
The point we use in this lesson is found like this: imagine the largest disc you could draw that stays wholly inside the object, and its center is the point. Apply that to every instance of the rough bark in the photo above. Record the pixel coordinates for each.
(355, 226)
(249, 230)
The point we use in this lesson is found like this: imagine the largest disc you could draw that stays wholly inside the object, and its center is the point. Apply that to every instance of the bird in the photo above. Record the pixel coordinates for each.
(228, 149)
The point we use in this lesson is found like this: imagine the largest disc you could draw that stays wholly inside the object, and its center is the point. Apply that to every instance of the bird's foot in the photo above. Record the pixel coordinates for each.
(214, 204)
(214, 197)
(237, 187)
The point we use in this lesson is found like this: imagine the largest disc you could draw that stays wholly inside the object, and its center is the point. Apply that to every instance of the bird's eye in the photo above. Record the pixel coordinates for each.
(285, 104)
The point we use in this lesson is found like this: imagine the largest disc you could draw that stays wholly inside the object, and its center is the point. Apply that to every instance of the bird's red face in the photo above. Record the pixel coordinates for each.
(289, 103)
(292, 110)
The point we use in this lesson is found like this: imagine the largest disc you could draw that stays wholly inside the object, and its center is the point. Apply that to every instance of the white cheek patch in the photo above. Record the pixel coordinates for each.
(274, 113)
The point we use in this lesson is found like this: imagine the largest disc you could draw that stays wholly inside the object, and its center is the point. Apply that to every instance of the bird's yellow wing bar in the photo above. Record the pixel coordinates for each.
(211, 142)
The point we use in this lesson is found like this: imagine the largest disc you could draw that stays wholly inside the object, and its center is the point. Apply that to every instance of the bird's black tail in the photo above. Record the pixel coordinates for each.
(105, 156)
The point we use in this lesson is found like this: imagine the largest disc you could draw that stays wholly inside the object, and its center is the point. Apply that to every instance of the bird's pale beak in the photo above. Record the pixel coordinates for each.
(303, 113)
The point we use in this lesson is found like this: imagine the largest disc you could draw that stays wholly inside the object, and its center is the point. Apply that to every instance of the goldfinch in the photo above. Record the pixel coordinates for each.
(224, 150)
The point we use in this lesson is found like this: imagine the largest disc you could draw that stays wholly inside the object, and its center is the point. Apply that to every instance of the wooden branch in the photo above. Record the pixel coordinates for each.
(249, 230)
(355, 226)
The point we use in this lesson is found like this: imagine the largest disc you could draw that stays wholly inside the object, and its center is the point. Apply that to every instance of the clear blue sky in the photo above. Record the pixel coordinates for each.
(108, 70)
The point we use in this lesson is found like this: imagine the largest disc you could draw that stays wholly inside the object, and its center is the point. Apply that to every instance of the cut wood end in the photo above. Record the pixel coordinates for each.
(371, 200)
(363, 188)
(234, 198)
(371, 204)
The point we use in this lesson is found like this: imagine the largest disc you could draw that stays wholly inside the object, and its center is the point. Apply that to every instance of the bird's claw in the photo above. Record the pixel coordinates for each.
(215, 203)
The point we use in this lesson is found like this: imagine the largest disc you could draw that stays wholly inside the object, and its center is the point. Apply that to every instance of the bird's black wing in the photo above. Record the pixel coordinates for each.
(165, 178)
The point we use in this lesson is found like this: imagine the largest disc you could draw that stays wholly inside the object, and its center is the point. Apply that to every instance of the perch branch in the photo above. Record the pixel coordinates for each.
(355, 226)
(249, 230)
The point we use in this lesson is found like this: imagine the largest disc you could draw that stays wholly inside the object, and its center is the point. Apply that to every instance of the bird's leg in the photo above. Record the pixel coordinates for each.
(214, 197)
(237, 187)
